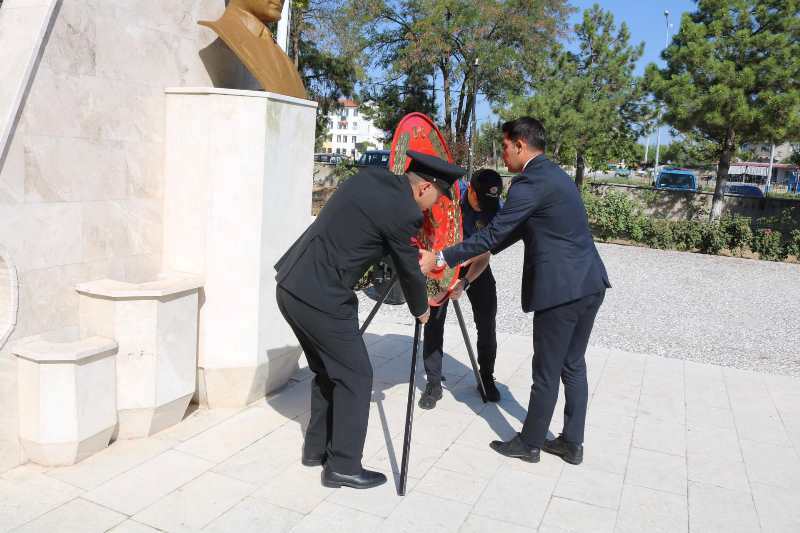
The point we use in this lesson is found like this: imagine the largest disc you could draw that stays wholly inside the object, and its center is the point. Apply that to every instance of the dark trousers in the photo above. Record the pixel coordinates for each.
(342, 385)
(560, 337)
(482, 295)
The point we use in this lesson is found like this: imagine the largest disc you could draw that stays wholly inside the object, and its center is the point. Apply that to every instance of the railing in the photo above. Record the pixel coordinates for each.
(13, 109)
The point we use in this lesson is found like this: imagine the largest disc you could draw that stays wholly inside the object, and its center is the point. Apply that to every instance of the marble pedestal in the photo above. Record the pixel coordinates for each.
(67, 398)
(155, 324)
(237, 193)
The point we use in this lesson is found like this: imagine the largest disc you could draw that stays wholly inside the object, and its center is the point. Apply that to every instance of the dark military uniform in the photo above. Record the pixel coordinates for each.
(371, 215)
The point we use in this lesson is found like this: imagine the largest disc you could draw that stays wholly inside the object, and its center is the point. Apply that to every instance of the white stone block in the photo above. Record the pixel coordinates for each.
(237, 193)
(155, 324)
(67, 398)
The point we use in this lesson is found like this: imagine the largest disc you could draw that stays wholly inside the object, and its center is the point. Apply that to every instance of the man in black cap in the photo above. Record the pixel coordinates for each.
(479, 204)
(372, 214)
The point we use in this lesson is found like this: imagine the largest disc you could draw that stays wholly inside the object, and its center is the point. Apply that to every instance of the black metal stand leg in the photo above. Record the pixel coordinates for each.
(378, 304)
(409, 411)
(461, 323)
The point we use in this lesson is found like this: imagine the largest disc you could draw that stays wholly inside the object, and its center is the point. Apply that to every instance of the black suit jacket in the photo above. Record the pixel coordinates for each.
(373, 214)
(545, 210)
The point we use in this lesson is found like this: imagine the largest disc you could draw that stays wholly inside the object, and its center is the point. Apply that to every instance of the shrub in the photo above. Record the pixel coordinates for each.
(640, 228)
(613, 215)
(688, 234)
(738, 233)
(793, 246)
(769, 246)
(714, 238)
(660, 235)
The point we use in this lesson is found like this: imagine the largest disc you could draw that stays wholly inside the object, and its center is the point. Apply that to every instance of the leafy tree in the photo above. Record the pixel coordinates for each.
(321, 52)
(733, 76)
(689, 151)
(449, 41)
(392, 101)
(590, 101)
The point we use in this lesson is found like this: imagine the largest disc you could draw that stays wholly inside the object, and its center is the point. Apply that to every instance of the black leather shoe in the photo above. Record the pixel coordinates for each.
(432, 394)
(517, 449)
(492, 394)
(366, 479)
(312, 460)
(569, 452)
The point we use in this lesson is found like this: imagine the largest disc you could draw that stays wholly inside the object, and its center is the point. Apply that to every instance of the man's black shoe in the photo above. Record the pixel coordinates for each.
(492, 394)
(432, 394)
(517, 449)
(366, 479)
(569, 452)
(312, 460)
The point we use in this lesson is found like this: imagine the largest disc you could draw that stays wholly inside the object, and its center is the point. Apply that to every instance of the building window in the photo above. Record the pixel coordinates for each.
(330, 138)
(355, 125)
(354, 139)
(330, 150)
(338, 138)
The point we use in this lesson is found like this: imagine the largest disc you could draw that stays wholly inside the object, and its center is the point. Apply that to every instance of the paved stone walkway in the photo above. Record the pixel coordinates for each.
(671, 446)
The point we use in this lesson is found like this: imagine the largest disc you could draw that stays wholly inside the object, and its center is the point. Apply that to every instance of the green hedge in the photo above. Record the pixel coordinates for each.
(615, 216)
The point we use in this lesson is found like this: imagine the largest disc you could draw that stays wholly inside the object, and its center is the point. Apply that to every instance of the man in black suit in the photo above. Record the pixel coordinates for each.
(372, 214)
(563, 283)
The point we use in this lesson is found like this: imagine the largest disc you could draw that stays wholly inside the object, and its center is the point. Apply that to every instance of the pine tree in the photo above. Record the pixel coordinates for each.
(589, 101)
(733, 76)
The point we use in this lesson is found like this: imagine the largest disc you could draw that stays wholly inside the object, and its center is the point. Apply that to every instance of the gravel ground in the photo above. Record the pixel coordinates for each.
(727, 311)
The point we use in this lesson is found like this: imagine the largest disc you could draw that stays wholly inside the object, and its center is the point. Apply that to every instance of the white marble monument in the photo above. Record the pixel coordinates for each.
(237, 188)
(155, 324)
(67, 401)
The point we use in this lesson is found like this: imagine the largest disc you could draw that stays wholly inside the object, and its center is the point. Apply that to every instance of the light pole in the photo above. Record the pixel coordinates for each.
(658, 124)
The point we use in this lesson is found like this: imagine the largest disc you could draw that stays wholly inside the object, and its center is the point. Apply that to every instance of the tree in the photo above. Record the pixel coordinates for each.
(320, 50)
(449, 41)
(590, 102)
(733, 76)
(392, 101)
(689, 151)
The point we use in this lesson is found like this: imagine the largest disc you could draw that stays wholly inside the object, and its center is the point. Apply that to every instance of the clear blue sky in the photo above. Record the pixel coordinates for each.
(645, 19)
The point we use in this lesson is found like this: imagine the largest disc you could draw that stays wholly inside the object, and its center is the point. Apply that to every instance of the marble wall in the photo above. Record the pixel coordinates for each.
(81, 186)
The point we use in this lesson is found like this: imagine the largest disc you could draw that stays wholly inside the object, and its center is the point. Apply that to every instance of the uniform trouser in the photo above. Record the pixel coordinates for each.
(560, 337)
(342, 385)
(482, 295)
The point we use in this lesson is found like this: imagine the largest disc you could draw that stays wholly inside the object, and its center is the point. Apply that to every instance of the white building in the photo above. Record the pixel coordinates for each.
(347, 128)
(762, 150)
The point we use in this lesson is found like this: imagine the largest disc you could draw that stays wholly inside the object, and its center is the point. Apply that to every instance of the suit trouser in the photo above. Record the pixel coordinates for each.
(482, 295)
(560, 337)
(342, 385)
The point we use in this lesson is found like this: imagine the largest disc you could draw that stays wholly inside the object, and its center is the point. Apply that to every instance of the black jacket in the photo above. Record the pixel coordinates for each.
(371, 215)
(545, 210)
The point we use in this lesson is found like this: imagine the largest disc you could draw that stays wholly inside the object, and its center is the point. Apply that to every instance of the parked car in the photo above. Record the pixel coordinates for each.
(744, 189)
(374, 158)
(676, 179)
(623, 172)
(333, 159)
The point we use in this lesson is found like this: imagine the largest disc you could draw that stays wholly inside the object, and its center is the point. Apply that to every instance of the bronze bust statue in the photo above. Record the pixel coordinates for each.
(243, 27)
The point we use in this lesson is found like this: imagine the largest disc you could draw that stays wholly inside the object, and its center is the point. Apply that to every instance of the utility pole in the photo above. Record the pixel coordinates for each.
(658, 125)
(769, 172)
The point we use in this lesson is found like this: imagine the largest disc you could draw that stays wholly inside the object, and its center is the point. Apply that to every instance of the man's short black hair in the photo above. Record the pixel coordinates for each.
(528, 130)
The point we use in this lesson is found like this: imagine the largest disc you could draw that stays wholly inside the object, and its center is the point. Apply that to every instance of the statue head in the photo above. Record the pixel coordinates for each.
(265, 10)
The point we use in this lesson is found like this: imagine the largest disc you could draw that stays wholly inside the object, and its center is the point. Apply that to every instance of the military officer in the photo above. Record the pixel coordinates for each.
(372, 214)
